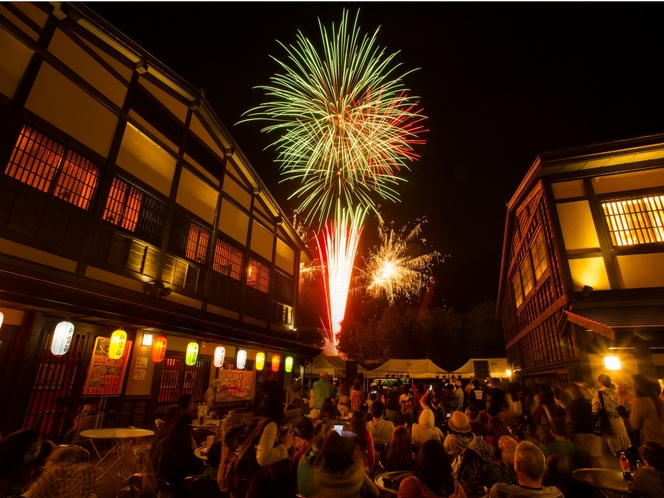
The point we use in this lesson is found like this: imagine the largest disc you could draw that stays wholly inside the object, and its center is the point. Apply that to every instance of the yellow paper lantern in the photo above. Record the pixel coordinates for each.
(260, 361)
(219, 355)
(159, 348)
(276, 362)
(118, 341)
(192, 353)
(289, 364)
(64, 331)
(241, 360)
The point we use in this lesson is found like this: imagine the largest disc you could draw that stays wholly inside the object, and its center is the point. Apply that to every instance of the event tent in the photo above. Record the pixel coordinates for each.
(497, 367)
(333, 365)
(417, 369)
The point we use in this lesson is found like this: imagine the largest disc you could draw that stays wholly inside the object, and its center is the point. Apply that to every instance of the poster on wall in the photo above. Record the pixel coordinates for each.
(236, 385)
(105, 376)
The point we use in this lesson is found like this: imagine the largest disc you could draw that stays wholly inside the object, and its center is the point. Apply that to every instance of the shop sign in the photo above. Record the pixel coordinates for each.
(235, 385)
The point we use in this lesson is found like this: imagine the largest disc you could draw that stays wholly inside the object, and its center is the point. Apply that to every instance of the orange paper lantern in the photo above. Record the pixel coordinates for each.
(276, 362)
(159, 348)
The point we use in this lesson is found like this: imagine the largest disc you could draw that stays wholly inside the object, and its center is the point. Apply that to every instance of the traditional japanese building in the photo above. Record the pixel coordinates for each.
(581, 286)
(125, 202)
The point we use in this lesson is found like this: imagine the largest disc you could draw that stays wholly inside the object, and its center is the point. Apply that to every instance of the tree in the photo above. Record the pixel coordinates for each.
(311, 336)
(484, 332)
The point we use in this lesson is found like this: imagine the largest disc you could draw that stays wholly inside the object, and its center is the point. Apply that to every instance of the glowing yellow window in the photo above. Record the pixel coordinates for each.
(538, 252)
(635, 220)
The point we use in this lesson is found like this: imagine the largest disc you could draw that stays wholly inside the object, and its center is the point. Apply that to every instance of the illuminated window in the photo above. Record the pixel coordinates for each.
(227, 260)
(123, 205)
(197, 243)
(283, 313)
(527, 276)
(635, 220)
(518, 290)
(46, 165)
(538, 252)
(258, 275)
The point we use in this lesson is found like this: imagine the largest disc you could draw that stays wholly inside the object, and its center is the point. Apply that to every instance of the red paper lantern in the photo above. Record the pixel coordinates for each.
(276, 362)
(159, 348)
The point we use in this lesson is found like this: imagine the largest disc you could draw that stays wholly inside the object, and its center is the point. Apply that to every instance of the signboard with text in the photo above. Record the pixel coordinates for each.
(236, 385)
(105, 376)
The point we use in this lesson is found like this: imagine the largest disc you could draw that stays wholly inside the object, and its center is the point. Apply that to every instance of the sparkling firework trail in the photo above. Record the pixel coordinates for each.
(337, 245)
(391, 272)
(346, 122)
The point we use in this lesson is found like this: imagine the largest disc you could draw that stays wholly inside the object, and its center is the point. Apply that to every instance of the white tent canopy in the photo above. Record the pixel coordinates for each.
(497, 367)
(417, 369)
(333, 365)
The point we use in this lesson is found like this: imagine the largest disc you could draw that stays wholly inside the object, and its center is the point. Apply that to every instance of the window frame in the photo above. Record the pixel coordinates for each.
(644, 217)
(521, 296)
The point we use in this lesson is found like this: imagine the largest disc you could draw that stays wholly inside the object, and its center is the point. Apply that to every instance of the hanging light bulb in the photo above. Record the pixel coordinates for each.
(64, 331)
(192, 353)
(159, 348)
(260, 361)
(219, 355)
(118, 341)
(276, 362)
(241, 360)
(289, 364)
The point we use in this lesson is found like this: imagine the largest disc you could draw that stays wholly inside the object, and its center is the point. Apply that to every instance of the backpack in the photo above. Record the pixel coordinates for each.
(236, 469)
(471, 471)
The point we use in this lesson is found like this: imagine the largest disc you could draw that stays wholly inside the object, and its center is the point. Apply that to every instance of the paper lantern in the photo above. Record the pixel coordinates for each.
(118, 341)
(219, 355)
(2, 317)
(276, 362)
(289, 364)
(192, 353)
(159, 348)
(64, 331)
(241, 360)
(260, 361)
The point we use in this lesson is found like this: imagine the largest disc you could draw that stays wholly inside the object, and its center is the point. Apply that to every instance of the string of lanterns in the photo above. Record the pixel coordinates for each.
(64, 333)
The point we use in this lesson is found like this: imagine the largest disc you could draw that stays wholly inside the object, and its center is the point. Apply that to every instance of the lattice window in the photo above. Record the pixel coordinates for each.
(538, 253)
(227, 260)
(50, 167)
(258, 275)
(635, 220)
(123, 205)
(527, 275)
(283, 313)
(189, 239)
(518, 290)
(179, 378)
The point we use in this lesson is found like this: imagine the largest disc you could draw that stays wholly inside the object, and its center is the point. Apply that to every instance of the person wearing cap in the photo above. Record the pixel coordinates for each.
(211, 395)
(323, 389)
(460, 435)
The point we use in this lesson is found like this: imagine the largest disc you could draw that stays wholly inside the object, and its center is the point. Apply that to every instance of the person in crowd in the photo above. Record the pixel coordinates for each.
(186, 402)
(460, 435)
(305, 467)
(548, 408)
(513, 400)
(327, 409)
(647, 413)
(68, 474)
(323, 390)
(507, 446)
(174, 457)
(303, 440)
(379, 428)
(339, 470)
(363, 438)
(477, 426)
(211, 396)
(294, 391)
(399, 451)
(370, 399)
(494, 397)
(648, 481)
(580, 414)
(426, 429)
(449, 399)
(213, 460)
(477, 395)
(530, 468)
(618, 440)
(439, 414)
(407, 404)
(458, 392)
(529, 406)
(356, 397)
(432, 476)
(563, 456)
(18, 452)
(393, 413)
(343, 405)
(497, 430)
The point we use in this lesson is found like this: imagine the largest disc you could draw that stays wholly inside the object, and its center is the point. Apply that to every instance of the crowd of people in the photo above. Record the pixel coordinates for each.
(458, 438)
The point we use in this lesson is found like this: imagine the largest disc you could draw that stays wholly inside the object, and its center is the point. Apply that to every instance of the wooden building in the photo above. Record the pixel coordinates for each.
(124, 201)
(582, 271)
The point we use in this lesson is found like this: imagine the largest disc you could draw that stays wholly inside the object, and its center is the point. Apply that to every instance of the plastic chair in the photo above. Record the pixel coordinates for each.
(201, 487)
(144, 484)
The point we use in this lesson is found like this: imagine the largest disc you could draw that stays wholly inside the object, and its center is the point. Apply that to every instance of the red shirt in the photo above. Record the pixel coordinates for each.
(355, 400)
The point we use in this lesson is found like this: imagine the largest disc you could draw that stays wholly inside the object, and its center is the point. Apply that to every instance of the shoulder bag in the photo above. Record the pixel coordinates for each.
(601, 424)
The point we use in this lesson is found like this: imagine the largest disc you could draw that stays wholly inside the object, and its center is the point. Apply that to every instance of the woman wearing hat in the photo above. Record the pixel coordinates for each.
(460, 436)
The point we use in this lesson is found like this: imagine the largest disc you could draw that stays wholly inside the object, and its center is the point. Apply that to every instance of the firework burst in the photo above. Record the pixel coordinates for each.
(391, 271)
(346, 121)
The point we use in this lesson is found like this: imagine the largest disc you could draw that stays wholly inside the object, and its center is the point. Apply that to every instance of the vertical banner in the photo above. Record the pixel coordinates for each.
(236, 385)
(105, 376)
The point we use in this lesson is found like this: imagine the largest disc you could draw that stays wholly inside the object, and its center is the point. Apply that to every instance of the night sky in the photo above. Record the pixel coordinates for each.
(500, 83)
